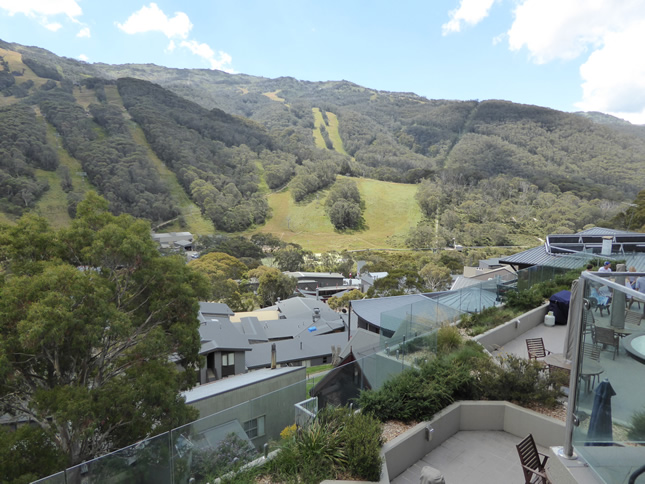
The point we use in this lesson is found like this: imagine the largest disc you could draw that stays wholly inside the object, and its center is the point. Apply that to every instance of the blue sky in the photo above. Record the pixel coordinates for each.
(566, 54)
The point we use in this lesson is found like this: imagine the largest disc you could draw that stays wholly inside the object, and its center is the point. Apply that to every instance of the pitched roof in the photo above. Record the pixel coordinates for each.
(208, 308)
(362, 343)
(501, 273)
(304, 347)
(231, 383)
(302, 307)
(573, 251)
(220, 334)
(266, 314)
(315, 275)
(465, 300)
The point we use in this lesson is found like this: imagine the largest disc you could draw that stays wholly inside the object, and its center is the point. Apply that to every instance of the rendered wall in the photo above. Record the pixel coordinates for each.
(408, 448)
(499, 336)
(274, 398)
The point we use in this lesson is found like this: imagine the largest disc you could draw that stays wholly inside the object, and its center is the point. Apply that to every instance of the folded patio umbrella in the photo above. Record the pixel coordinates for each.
(600, 429)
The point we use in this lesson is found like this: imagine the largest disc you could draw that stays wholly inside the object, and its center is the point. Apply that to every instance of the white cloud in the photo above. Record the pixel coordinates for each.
(83, 57)
(84, 32)
(220, 61)
(614, 75)
(54, 27)
(153, 19)
(470, 12)
(609, 34)
(34, 8)
(171, 47)
(553, 29)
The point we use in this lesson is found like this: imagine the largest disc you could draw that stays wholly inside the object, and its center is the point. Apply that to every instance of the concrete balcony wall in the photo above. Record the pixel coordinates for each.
(411, 446)
(497, 337)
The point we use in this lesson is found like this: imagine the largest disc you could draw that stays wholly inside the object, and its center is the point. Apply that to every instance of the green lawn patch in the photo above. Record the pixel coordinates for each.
(390, 211)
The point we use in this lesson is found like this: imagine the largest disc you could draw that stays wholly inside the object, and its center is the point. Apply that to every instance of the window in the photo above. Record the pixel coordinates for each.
(254, 427)
(228, 364)
(228, 359)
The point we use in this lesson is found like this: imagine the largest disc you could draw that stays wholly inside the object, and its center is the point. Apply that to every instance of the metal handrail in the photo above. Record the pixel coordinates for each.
(635, 474)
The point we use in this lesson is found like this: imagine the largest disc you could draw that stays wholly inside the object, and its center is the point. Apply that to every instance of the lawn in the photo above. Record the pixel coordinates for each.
(390, 211)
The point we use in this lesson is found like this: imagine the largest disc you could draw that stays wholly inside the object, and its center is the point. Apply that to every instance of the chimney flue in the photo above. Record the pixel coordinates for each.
(273, 356)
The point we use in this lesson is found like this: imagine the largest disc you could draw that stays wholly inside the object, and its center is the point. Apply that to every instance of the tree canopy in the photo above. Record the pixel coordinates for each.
(93, 322)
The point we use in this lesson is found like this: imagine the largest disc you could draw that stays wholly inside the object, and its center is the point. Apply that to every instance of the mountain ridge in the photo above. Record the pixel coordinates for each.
(245, 134)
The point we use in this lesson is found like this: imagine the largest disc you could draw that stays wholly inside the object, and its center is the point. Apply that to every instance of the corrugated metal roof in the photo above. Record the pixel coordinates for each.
(538, 256)
(603, 231)
(227, 384)
(462, 282)
(469, 299)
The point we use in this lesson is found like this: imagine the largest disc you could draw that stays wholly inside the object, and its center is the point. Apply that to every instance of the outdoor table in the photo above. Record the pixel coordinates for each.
(589, 367)
(622, 332)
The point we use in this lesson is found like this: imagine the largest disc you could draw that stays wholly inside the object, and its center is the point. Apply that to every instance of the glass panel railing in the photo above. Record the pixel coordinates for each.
(223, 442)
(58, 478)
(146, 461)
(610, 398)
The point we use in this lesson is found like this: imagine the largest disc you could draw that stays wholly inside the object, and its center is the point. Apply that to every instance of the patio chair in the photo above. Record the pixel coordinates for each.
(599, 302)
(532, 464)
(592, 352)
(536, 349)
(588, 322)
(632, 317)
(606, 337)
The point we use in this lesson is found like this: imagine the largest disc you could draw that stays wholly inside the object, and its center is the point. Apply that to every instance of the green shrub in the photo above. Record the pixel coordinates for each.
(417, 394)
(336, 444)
(448, 339)
(637, 430)
(488, 318)
(361, 439)
(465, 374)
(228, 455)
(311, 456)
(524, 300)
(521, 381)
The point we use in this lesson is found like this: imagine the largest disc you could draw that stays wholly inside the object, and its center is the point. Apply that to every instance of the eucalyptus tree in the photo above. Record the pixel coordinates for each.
(94, 323)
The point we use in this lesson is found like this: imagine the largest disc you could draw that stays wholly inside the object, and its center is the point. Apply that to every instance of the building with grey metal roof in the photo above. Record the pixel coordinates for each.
(573, 251)
(303, 350)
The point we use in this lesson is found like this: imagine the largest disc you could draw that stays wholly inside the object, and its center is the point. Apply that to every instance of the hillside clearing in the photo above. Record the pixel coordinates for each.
(53, 204)
(195, 222)
(390, 211)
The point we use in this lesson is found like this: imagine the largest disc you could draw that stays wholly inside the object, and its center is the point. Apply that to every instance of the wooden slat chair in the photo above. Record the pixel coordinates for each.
(536, 349)
(606, 337)
(592, 352)
(588, 322)
(532, 464)
(633, 317)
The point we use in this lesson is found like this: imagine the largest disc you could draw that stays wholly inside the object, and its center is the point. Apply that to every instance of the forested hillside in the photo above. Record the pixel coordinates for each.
(488, 172)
